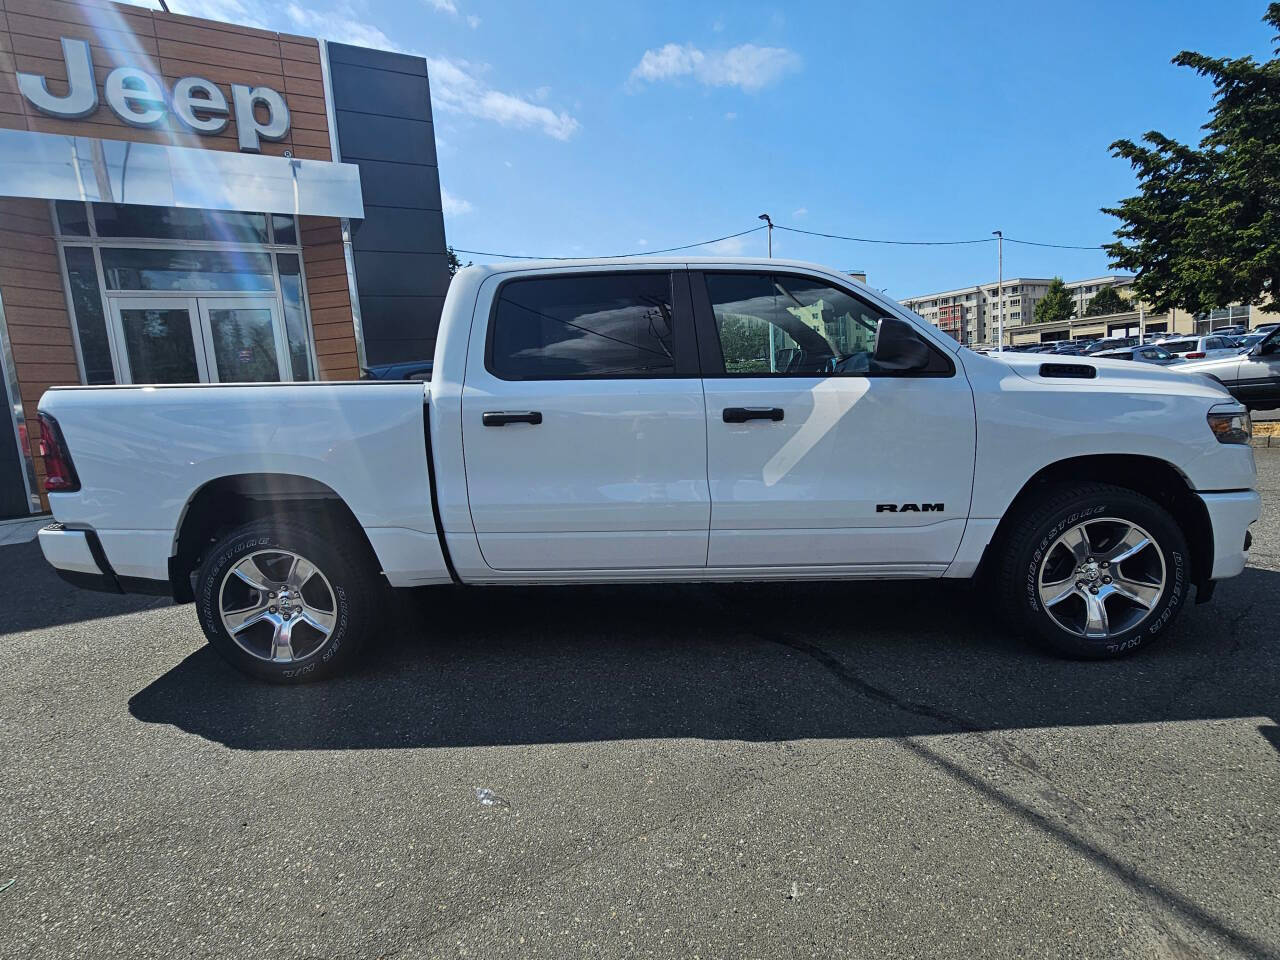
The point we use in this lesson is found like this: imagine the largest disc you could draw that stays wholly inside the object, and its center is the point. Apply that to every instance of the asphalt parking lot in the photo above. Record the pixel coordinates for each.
(712, 771)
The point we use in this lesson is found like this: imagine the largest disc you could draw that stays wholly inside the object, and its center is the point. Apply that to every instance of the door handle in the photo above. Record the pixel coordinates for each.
(500, 418)
(743, 414)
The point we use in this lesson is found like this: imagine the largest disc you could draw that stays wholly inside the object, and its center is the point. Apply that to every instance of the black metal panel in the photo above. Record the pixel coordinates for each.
(372, 137)
(382, 274)
(388, 94)
(394, 230)
(403, 185)
(399, 351)
(382, 103)
(400, 318)
(342, 53)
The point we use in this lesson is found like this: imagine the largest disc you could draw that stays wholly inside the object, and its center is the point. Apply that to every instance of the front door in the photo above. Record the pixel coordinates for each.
(818, 457)
(583, 424)
(198, 340)
(244, 339)
(1258, 377)
(158, 340)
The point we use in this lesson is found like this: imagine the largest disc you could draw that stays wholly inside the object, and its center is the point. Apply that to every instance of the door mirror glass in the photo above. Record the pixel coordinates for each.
(899, 347)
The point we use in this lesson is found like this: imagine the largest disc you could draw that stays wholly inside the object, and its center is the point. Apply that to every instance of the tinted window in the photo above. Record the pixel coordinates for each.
(1180, 346)
(178, 223)
(186, 269)
(86, 301)
(783, 325)
(598, 325)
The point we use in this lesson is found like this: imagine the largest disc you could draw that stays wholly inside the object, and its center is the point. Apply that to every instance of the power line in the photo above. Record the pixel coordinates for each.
(1056, 246)
(616, 256)
(811, 233)
(896, 243)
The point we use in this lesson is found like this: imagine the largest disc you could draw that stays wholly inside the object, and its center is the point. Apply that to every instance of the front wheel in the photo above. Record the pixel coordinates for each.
(1093, 571)
(283, 604)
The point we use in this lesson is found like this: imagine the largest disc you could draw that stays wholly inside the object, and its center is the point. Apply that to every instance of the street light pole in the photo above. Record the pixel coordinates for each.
(765, 218)
(999, 235)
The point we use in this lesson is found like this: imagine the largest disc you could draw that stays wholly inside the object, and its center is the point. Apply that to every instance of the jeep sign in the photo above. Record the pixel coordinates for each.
(137, 98)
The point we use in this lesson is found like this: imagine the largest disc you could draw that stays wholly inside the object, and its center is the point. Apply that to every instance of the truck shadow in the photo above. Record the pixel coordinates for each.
(484, 667)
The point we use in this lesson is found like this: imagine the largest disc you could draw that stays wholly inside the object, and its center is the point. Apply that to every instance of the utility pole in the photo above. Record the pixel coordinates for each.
(765, 218)
(999, 235)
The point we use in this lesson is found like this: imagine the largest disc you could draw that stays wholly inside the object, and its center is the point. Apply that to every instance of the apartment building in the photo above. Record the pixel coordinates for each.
(972, 314)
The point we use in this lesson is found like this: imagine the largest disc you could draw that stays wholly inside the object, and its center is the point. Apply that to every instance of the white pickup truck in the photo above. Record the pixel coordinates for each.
(658, 420)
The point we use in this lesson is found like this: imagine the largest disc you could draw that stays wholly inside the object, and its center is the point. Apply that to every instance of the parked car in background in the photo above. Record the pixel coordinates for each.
(1142, 354)
(405, 370)
(1110, 343)
(1248, 342)
(1234, 330)
(1266, 327)
(622, 421)
(1253, 378)
(1200, 348)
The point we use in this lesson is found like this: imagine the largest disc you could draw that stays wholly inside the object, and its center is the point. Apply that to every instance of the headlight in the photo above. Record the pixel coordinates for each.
(1233, 427)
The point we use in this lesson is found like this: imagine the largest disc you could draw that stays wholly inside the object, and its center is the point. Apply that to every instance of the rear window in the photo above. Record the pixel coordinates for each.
(1179, 346)
(585, 326)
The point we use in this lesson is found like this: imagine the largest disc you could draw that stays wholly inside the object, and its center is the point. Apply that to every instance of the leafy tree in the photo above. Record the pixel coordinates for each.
(1057, 303)
(1204, 229)
(454, 263)
(1106, 301)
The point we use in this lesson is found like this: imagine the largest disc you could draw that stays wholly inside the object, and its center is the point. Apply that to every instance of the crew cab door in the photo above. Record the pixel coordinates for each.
(1257, 380)
(583, 423)
(817, 455)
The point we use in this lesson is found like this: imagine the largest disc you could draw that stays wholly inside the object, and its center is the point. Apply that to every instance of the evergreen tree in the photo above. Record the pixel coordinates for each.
(1057, 303)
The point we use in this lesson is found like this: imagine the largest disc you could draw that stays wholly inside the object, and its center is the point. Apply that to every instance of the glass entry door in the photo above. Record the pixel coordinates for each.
(158, 340)
(198, 339)
(243, 339)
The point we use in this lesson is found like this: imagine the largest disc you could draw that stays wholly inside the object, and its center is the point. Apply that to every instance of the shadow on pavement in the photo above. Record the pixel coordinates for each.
(46, 600)
(488, 666)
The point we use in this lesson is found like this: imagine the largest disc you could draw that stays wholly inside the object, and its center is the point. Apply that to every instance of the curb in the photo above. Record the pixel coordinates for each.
(1267, 434)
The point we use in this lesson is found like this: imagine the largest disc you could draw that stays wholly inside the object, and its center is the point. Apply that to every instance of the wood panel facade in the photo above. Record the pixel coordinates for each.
(168, 46)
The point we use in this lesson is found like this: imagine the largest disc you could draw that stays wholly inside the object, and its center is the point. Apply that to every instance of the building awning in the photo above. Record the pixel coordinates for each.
(55, 167)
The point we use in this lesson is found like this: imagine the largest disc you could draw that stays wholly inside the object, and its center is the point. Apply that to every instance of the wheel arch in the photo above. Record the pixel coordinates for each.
(1149, 476)
(230, 501)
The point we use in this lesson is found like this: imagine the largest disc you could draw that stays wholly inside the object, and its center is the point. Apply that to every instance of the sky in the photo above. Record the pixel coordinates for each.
(599, 128)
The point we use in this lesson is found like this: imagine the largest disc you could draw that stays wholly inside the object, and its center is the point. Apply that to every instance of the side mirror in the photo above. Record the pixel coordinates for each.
(899, 347)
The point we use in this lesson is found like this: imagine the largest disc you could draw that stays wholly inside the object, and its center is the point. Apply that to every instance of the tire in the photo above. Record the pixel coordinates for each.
(304, 621)
(1138, 591)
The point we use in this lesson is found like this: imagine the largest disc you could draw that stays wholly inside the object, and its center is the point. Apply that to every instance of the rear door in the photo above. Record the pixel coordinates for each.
(583, 423)
(815, 456)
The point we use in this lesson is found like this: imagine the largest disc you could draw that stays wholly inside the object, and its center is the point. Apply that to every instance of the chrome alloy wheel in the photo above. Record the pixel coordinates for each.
(1102, 577)
(277, 606)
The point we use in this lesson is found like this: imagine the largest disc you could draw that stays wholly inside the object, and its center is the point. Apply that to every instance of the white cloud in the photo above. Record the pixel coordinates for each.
(642, 242)
(799, 212)
(455, 87)
(473, 21)
(746, 66)
(229, 11)
(455, 84)
(731, 115)
(453, 206)
(339, 25)
(732, 247)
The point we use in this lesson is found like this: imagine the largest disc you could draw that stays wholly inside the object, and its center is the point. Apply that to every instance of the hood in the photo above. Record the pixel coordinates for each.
(1129, 375)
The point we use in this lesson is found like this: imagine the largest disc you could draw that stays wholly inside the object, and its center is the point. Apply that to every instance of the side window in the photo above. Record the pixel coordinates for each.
(778, 325)
(583, 326)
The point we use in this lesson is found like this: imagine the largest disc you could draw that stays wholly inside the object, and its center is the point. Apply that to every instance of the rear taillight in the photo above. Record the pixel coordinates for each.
(59, 474)
(1199, 355)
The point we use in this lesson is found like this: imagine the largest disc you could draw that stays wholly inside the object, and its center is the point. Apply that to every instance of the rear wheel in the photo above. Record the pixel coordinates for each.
(283, 604)
(1093, 571)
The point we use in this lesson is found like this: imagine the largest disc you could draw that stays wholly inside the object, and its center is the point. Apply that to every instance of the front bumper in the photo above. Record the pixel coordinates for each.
(1230, 515)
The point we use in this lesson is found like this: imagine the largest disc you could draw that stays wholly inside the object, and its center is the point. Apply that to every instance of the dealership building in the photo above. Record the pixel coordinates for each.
(188, 201)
